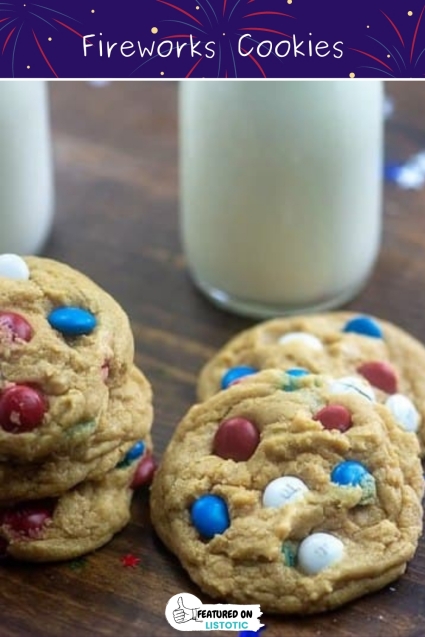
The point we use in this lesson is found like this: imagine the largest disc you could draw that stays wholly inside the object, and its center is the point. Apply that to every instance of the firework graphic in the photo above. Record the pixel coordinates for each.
(33, 27)
(212, 38)
(222, 23)
(400, 54)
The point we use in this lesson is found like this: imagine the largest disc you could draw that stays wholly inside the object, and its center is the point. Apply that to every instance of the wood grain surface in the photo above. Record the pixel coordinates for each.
(117, 220)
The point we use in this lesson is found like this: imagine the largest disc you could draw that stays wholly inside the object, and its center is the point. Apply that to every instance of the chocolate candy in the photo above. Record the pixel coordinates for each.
(72, 321)
(235, 373)
(404, 412)
(28, 519)
(283, 490)
(236, 439)
(210, 515)
(351, 473)
(13, 267)
(363, 325)
(22, 409)
(304, 338)
(15, 326)
(297, 372)
(294, 374)
(136, 451)
(144, 472)
(251, 633)
(319, 551)
(132, 454)
(380, 374)
(352, 385)
(334, 417)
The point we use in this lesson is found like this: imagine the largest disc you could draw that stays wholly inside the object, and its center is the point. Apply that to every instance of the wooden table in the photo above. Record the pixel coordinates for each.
(116, 219)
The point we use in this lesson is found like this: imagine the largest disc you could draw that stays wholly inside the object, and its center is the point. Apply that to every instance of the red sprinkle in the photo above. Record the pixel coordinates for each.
(236, 439)
(130, 560)
(334, 417)
(380, 374)
(22, 409)
(28, 519)
(145, 472)
(15, 326)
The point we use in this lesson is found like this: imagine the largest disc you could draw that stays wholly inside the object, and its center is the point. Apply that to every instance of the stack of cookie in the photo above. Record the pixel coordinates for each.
(75, 413)
(299, 485)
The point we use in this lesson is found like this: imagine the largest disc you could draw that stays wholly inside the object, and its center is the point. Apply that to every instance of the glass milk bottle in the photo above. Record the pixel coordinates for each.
(26, 181)
(281, 186)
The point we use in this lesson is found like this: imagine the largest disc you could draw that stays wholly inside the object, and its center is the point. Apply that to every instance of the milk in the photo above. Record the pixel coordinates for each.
(26, 191)
(281, 190)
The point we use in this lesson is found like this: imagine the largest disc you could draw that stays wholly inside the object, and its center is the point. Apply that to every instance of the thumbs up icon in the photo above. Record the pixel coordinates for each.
(182, 614)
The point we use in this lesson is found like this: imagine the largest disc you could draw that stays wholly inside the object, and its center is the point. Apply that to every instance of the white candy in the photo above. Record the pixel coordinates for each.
(352, 385)
(319, 551)
(13, 267)
(302, 337)
(410, 178)
(283, 490)
(404, 412)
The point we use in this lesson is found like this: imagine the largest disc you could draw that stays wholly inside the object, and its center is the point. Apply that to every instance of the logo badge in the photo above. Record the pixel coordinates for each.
(186, 612)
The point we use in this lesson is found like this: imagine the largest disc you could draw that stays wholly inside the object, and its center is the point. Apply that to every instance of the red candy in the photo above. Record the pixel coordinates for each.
(236, 439)
(334, 417)
(15, 326)
(380, 375)
(29, 519)
(22, 409)
(144, 472)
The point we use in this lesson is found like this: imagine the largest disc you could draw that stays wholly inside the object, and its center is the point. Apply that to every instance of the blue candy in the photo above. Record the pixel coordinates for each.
(363, 325)
(210, 515)
(132, 454)
(72, 321)
(234, 373)
(294, 373)
(135, 452)
(297, 372)
(351, 473)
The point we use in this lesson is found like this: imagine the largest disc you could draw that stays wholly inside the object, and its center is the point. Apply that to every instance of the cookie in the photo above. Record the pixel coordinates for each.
(64, 343)
(340, 344)
(124, 428)
(290, 494)
(81, 520)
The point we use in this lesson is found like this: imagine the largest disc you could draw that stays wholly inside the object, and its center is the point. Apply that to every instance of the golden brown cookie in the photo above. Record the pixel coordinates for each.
(340, 344)
(64, 343)
(125, 424)
(294, 494)
(80, 521)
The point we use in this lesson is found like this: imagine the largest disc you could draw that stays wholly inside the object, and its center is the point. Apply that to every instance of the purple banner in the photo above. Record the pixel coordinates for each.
(212, 39)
